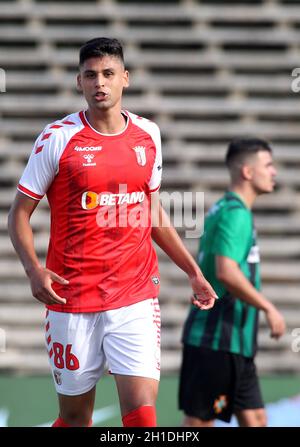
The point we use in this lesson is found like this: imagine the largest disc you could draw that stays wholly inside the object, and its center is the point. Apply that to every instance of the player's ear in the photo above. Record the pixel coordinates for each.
(246, 172)
(79, 86)
(126, 79)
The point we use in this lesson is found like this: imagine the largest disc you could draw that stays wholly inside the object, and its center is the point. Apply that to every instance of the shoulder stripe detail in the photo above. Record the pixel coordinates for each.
(55, 126)
(39, 149)
(70, 123)
(28, 192)
(46, 136)
(154, 190)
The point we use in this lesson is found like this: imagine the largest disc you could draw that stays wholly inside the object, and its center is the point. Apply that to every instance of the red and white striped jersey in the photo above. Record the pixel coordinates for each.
(98, 187)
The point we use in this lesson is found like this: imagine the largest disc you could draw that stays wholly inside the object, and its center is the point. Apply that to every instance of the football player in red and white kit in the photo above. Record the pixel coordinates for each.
(101, 171)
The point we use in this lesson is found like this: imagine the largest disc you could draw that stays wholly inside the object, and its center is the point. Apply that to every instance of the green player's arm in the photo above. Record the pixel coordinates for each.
(167, 238)
(21, 235)
(229, 273)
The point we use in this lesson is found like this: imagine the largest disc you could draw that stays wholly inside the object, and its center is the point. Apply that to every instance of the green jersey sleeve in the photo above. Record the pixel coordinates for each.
(233, 233)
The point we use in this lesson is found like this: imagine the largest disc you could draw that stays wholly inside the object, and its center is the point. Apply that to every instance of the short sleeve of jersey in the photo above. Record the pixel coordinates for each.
(233, 234)
(41, 167)
(155, 180)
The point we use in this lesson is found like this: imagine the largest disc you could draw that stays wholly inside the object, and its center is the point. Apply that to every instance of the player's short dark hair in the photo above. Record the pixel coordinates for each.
(100, 47)
(240, 149)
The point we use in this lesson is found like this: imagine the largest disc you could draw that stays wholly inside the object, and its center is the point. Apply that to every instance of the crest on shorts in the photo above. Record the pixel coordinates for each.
(140, 152)
(220, 404)
(57, 377)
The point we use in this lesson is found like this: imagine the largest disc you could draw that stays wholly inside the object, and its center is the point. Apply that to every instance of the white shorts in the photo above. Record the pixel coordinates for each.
(80, 345)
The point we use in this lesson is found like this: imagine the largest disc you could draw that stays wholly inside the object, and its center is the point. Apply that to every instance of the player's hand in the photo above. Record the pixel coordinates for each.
(275, 321)
(204, 295)
(41, 280)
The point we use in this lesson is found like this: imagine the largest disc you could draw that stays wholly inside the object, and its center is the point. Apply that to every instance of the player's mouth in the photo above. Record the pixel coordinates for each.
(101, 96)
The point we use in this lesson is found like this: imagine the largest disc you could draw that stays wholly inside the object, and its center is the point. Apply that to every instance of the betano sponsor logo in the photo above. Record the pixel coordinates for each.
(135, 209)
(91, 200)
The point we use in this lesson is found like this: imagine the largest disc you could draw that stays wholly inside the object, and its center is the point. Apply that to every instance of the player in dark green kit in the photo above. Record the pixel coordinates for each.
(218, 375)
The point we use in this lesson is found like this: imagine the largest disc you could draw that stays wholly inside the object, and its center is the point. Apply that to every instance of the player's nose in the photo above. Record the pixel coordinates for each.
(99, 80)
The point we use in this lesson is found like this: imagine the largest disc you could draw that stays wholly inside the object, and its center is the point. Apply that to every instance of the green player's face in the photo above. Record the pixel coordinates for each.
(263, 172)
(102, 81)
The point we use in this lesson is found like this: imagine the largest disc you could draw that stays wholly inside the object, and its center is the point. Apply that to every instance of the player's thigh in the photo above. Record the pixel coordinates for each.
(135, 392)
(75, 352)
(252, 418)
(132, 342)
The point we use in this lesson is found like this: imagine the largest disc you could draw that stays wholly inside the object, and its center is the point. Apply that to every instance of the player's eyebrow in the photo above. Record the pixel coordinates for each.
(89, 71)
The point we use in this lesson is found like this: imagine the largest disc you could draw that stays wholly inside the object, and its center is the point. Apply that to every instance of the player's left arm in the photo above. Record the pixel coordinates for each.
(167, 238)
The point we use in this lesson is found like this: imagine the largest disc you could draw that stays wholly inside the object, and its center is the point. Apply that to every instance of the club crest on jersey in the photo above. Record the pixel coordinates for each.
(140, 152)
(155, 280)
(57, 377)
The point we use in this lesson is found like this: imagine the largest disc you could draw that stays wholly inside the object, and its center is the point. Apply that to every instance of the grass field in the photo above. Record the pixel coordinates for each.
(31, 401)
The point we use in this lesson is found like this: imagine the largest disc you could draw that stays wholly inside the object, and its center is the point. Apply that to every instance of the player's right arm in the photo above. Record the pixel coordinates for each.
(229, 273)
(36, 179)
(230, 243)
(21, 235)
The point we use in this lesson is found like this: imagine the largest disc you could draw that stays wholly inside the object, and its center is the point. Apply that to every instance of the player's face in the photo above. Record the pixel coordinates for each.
(263, 173)
(102, 81)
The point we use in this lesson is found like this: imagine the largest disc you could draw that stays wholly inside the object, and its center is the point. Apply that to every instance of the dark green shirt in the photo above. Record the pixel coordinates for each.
(231, 325)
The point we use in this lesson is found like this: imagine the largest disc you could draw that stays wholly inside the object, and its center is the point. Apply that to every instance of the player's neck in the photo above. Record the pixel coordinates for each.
(106, 122)
(247, 194)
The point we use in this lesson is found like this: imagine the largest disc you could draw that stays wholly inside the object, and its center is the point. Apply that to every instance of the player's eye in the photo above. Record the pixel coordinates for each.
(90, 75)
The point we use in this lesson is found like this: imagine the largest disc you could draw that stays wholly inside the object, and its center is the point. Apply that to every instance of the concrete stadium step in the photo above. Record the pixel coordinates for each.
(33, 81)
(269, 247)
(11, 269)
(285, 363)
(197, 153)
(206, 176)
(162, 59)
(138, 33)
(34, 313)
(17, 338)
(16, 292)
(277, 225)
(284, 294)
(171, 339)
(265, 342)
(194, 107)
(285, 200)
(155, 13)
(7, 195)
(24, 361)
(266, 362)
(284, 271)
(26, 315)
(209, 152)
(40, 220)
(40, 243)
(174, 315)
(182, 129)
